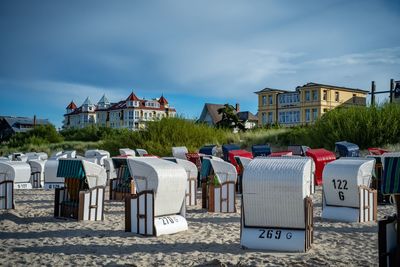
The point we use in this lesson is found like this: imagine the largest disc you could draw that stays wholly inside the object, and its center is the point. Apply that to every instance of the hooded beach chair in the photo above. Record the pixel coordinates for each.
(298, 150)
(321, 157)
(141, 152)
(208, 150)
(232, 155)
(98, 155)
(191, 184)
(13, 175)
(51, 180)
(346, 149)
(158, 205)
(179, 152)
(277, 210)
(260, 150)
(37, 172)
(218, 180)
(226, 148)
(127, 152)
(121, 186)
(82, 197)
(347, 195)
(388, 228)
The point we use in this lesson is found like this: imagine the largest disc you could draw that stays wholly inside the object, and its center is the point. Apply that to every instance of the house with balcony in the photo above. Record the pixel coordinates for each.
(305, 104)
(132, 113)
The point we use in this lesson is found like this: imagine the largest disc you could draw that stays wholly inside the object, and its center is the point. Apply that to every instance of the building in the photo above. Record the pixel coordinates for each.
(211, 116)
(306, 104)
(10, 125)
(131, 113)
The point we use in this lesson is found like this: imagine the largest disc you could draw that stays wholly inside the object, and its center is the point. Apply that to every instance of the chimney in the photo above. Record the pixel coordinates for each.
(34, 120)
(237, 107)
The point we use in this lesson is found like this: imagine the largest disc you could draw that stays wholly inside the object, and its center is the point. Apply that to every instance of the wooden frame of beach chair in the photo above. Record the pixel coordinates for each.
(35, 179)
(191, 193)
(77, 200)
(350, 198)
(142, 216)
(282, 232)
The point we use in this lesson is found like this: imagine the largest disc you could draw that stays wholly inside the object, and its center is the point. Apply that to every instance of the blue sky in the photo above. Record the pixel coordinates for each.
(193, 52)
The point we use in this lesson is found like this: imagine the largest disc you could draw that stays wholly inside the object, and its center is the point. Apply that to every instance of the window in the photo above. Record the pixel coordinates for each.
(270, 117)
(263, 118)
(131, 115)
(270, 99)
(315, 114)
(264, 100)
(325, 110)
(325, 96)
(314, 95)
(337, 96)
(307, 95)
(307, 115)
(354, 98)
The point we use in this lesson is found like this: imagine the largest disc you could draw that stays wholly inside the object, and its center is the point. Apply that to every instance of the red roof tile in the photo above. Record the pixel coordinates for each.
(72, 105)
(163, 100)
(132, 97)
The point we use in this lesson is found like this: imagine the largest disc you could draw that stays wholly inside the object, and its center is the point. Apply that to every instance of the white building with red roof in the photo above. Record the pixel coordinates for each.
(131, 113)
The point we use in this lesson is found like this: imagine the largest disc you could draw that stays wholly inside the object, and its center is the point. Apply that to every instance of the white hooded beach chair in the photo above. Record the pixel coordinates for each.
(277, 211)
(347, 195)
(179, 152)
(13, 175)
(51, 180)
(158, 205)
(218, 180)
(141, 152)
(191, 184)
(127, 152)
(98, 155)
(110, 170)
(36, 156)
(82, 197)
(37, 172)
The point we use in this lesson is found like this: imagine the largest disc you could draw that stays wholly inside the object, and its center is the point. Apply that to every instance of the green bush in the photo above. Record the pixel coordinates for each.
(90, 133)
(42, 134)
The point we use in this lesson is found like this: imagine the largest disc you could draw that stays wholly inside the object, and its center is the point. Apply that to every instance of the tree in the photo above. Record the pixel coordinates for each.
(229, 120)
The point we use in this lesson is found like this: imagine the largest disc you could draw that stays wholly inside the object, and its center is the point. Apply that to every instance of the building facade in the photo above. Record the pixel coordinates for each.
(306, 104)
(132, 113)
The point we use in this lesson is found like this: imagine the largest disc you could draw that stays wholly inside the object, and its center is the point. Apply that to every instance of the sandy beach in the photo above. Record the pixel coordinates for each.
(31, 235)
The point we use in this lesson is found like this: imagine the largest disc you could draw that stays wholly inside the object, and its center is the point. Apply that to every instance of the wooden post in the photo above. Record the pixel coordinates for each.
(373, 93)
(391, 90)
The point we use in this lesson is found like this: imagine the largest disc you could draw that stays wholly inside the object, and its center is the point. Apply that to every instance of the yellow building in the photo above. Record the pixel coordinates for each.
(306, 104)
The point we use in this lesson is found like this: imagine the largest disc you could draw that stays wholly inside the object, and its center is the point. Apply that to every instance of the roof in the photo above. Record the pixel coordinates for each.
(246, 116)
(22, 124)
(132, 97)
(212, 109)
(272, 90)
(312, 84)
(104, 100)
(71, 105)
(87, 102)
(162, 100)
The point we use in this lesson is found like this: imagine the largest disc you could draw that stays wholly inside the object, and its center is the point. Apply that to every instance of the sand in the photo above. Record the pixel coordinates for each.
(31, 235)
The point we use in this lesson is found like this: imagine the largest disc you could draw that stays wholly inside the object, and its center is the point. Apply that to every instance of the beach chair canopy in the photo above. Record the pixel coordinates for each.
(223, 171)
(320, 157)
(37, 165)
(274, 190)
(141, 152)
(92, 173)
(347, 149)
(243, 161)
(391, 175)
(98, 155)
(298, 150)
(165, 178)
(260, 150)
(68, 154)
(119, 162)
(109, 166)
(179, 152)
(190, 167)
(377, 151)
(127, 152)
(345, 175)
(226, 148)
(17, 171)
(36, 155)
(280, 154)
(208, 150)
